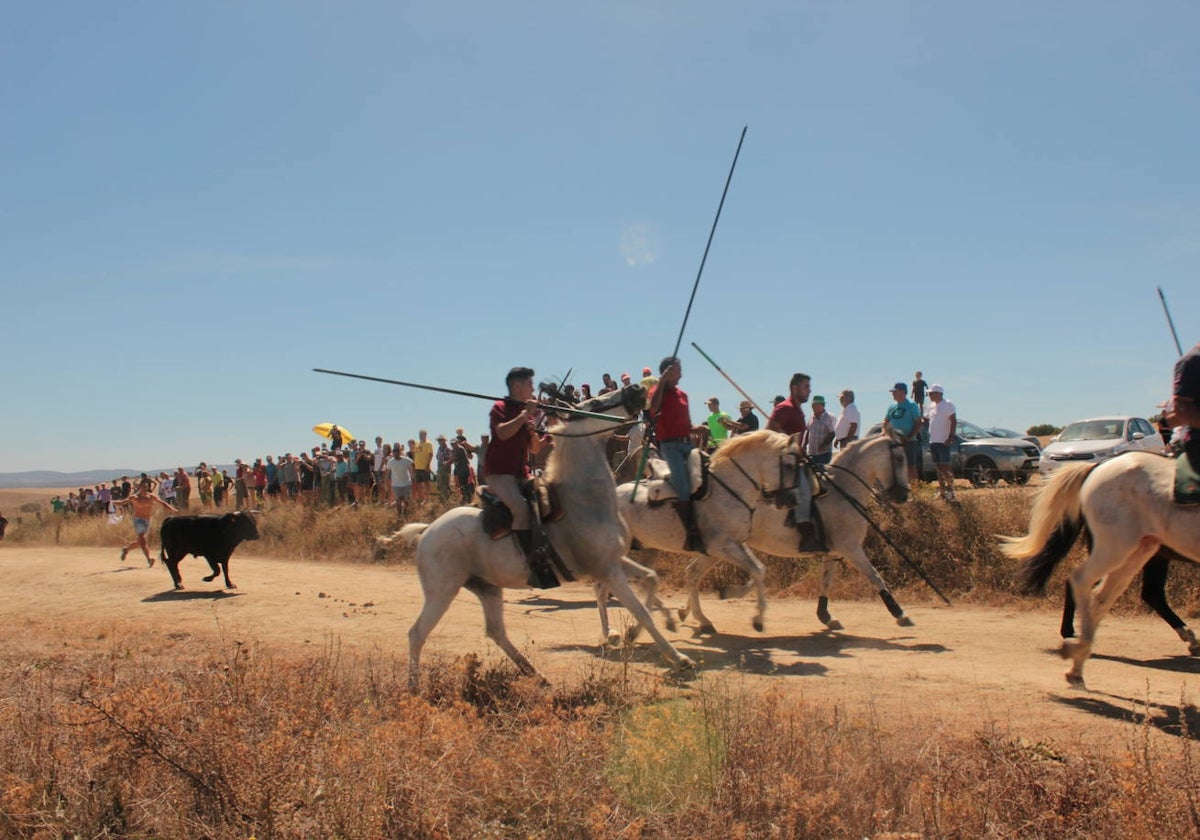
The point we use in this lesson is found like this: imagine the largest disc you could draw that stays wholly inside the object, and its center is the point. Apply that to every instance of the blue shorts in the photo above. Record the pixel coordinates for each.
(140, 526)
(912, 453)
(940, 452)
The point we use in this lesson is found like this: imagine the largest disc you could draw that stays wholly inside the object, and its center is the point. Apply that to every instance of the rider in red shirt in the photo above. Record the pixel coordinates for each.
(506, 462)
(673, 431)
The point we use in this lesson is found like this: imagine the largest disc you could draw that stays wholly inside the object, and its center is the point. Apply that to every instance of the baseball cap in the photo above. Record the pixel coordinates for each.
(645, 371)
(899, 386)
(712, 400)
(624, 375)
(936, 389)
(818, 399)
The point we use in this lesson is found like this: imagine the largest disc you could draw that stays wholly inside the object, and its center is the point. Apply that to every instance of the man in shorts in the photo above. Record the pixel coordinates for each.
(942, 418)
(142, 505)
(422, 467)
(903, 421)
(400, 471)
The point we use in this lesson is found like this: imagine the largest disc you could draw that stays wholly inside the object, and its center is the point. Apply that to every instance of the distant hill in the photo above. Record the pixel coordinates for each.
(49, 478)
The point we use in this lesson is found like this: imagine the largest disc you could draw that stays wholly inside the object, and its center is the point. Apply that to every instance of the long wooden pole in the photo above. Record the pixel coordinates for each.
(549, 406)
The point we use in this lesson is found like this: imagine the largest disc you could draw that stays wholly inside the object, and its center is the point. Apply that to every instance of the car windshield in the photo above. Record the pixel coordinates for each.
(1094, 430)
(969, 431)
(996, 431)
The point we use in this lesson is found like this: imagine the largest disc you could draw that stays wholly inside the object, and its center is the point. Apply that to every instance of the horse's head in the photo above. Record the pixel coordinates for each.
(895, 475)
(621, 404)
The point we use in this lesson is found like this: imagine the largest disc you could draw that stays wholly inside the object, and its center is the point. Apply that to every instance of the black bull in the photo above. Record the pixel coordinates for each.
(211, 536)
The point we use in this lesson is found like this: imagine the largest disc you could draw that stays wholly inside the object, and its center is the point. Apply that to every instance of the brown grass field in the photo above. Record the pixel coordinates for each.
(279, 710)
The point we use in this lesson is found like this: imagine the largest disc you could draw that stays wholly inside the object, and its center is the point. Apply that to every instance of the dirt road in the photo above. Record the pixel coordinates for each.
(959, 666)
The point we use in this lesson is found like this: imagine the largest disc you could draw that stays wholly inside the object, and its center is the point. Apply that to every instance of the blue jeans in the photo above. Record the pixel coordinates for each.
(675, 453)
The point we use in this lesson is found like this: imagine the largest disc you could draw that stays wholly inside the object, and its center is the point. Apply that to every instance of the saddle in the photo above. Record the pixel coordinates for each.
(545, 565)
(1187, 481)
(497, 518)
(659, 490)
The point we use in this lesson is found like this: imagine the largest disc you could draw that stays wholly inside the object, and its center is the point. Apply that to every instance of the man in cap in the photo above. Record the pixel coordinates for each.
(719, 423)
(649, 380)
(748, 421)
(820, 433)
(903, 422)
(942, 418)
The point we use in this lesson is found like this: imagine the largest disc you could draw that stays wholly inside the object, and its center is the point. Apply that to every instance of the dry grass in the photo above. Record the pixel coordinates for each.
(242, 743)
(238, 741)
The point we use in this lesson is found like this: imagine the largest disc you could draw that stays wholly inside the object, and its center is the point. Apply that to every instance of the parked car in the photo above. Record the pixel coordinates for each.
(1097, 439)
(980, 456)
(998, 431)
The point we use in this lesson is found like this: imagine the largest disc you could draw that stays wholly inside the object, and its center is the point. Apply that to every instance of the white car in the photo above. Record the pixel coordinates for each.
(1097, 440)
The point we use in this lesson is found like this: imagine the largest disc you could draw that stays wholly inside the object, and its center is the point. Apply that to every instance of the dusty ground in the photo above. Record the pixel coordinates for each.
(964, 666)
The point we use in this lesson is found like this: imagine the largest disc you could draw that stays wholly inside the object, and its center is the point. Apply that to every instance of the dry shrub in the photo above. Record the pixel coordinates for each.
(244, 743)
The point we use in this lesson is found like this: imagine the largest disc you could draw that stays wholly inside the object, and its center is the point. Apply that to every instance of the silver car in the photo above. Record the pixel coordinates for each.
(1097, 439)
(980, 456)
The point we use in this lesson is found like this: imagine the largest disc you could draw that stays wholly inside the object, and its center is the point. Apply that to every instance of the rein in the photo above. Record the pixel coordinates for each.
(862, 511)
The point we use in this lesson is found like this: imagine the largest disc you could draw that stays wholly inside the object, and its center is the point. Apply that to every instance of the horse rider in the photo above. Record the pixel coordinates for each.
(506, 464)
(788, 418)
(673, 430)
(1184, 407)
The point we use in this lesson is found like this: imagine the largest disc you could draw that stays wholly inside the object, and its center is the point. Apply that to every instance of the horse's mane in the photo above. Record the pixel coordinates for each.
(754, 440)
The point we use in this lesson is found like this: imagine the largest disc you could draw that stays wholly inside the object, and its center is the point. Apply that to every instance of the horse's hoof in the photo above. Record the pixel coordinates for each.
(758, 624)
(683, 614)
(905, 621)
(834, 624)
(670, 623)
(706, 628)
(612, 641)
(685, 664)
(632, 633)
(1075, 680)
(178, 586)
(209, 578)
(1194, 649)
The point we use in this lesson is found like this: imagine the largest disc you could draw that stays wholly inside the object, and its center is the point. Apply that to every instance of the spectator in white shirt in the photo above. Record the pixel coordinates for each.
(846, 430)
(942, 419)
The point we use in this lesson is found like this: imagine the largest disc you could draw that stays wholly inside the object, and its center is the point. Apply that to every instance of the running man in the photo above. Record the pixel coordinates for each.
(142, 504)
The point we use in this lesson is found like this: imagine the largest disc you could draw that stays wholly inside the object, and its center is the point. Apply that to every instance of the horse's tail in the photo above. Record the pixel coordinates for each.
(1054, 527)
(412, 532)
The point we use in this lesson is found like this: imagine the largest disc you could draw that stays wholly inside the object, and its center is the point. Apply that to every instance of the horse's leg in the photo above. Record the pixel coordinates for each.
(648, 578)
(858, 558)
(437, 601)
(823, 614)
(1067, 628)
(620, 587)
(610, 638)
(492, 599)
(1113, 570)
(694, 572)
(1154, 593)
(742, 557)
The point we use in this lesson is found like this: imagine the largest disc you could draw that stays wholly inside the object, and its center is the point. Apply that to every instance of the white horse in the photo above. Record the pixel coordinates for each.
(454, 552)
(1127, 507)
(738, 514)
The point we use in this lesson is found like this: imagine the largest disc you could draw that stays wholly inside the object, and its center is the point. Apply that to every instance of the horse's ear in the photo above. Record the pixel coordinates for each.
(796, 441)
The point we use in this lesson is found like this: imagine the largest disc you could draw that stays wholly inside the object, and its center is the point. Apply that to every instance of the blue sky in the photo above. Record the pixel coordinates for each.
(201, 202)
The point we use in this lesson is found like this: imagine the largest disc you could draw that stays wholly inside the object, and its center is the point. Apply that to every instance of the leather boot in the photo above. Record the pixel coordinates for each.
(687, 515)
(541, 575)
(811, 540)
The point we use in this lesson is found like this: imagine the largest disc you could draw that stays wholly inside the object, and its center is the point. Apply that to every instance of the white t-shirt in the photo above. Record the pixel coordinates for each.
(378, 466)
(938, 414)
(401, 470)
(849, 416)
